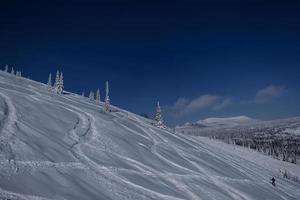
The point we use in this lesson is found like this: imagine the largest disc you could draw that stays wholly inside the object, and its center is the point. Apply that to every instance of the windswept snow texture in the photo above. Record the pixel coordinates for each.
(66, 147)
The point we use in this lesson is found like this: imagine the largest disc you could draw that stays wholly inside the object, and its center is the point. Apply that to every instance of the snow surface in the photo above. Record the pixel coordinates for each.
(66, 147)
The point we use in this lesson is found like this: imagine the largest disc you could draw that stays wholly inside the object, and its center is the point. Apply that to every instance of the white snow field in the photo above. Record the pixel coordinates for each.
(66, 147)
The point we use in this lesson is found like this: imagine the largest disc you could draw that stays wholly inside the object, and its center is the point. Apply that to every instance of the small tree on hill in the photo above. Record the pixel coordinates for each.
(61, 84)
(56, 83)
(6, 68)
(49, 84)
(107, 100)
(19, 73)
(159, 122)
(12, 71)
(98, 98)
(92, 96)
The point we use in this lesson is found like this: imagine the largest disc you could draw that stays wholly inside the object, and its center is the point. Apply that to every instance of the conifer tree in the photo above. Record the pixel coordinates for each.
(82, 94)
(56, 83)
(61, 84)
(107, 100)
(6, 68)
(98, 98)
(18, 73)
(158, 117)
(12, 71)
(92, 96)
(49, 84)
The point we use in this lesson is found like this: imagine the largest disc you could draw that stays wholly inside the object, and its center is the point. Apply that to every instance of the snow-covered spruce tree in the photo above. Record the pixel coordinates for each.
(92, 96)
(107, 100)
(61, 84)
(82, 94)
(159, 122)
(18, 73)
(12, 71)
(6, 68)
(98, 98)
(49, 84)
(56, 83)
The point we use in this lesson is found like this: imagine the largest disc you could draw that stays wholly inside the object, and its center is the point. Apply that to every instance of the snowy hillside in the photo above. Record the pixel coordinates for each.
(65, 147)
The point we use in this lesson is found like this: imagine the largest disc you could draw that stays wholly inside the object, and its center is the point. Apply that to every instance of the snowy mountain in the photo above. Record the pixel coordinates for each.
(65, 147)
(219, 122)
(229, 121)
(277, 138)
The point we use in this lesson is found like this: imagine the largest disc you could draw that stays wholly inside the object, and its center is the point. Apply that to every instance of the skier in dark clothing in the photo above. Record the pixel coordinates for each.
(273, 181)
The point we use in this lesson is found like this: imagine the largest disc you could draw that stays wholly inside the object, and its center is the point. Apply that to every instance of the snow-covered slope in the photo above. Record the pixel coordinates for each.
(65, 147)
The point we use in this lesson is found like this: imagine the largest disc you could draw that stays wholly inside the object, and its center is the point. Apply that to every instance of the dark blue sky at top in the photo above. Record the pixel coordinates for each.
(163, 50)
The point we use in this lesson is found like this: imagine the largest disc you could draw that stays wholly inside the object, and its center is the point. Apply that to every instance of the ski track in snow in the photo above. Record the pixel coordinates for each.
(7, 128)
(180, 167)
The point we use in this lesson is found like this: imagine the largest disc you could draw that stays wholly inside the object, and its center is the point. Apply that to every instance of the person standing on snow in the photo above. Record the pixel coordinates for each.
(273, 181)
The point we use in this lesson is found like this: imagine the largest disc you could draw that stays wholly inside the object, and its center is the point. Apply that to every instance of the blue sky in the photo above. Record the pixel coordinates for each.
(198, 58)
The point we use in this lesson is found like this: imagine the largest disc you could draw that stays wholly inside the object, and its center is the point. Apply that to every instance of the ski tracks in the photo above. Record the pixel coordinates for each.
(7, 129)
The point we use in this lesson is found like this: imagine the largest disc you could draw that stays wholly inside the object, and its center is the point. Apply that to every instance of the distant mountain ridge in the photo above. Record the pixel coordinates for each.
(217, 122)
(227, 121)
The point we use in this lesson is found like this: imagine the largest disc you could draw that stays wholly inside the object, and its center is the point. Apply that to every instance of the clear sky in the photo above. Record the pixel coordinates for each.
(198, 58)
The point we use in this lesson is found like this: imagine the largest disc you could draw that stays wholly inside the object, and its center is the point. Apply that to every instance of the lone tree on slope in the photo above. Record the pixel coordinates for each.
(6, 68)
(12, 71)
(49, 84)
(19, 73)
(107, 100)
(98, 98)
(56, 83)
(61, 83)
(92, 96)
(158, 117)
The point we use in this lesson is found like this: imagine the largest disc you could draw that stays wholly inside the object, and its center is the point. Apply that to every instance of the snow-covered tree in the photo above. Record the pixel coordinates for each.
(49, 84)
(159, 122)
(82, 94)
(12, 71)
(92, 96)
(6, 68)
(61, 84)
(56, 83)
(18, 73)
(107, 100)
(98, 98)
